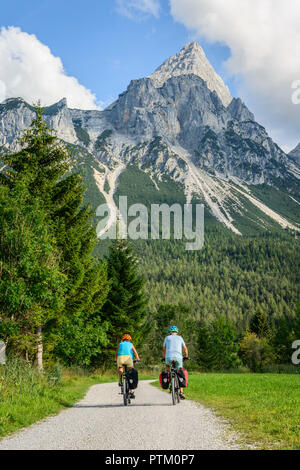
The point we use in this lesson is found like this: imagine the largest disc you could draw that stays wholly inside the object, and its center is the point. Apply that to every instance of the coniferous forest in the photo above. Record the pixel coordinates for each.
(67, 298)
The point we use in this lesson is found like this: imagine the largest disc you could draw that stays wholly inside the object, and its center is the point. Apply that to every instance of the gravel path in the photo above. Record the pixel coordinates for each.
(151, 422)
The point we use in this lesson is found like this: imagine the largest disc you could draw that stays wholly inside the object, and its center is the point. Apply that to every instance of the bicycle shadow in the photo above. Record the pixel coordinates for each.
(120, 405)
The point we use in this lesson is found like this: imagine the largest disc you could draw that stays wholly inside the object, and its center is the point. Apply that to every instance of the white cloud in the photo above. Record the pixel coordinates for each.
(264, 39)
(29, 70)
(138, 9)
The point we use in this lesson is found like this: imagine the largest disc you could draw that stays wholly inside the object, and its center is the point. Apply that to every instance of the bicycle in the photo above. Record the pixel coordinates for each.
(174, 385)
(125, 391)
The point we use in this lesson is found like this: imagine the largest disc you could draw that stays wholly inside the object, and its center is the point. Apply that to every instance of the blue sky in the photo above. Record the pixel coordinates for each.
(89, 50)
(103, 49)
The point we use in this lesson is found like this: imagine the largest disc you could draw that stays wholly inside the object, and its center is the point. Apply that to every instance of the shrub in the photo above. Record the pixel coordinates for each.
(256, 352)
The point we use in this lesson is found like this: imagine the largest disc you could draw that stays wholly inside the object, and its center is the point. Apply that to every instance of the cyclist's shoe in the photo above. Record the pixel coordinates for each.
(182, 395)
(120, 384)
(132, 395)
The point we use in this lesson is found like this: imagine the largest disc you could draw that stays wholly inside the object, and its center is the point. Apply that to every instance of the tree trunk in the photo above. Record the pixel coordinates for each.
(39, 353)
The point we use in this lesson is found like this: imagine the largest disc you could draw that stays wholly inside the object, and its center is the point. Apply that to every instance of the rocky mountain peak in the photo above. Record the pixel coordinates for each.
(191, 59)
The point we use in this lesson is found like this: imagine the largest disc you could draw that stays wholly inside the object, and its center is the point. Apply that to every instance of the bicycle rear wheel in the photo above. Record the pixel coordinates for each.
(125, 391)
(173, 388)
(177, 394)
(177, 389)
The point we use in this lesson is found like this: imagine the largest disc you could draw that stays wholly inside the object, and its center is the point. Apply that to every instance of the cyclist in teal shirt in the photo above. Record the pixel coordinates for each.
(124, 357)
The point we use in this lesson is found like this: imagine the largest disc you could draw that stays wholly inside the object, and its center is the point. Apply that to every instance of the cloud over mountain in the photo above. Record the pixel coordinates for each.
(264, 39)
(29, 69)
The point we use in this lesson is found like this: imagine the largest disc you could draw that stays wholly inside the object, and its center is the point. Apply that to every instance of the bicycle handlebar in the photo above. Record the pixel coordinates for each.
(185, 359)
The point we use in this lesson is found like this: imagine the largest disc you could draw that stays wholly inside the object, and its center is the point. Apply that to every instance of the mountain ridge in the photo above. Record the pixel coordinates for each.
(182, 130)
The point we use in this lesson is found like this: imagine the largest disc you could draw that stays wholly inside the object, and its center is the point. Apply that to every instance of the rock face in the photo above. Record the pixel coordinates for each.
(16, 115)
(295, 154)
(181, 122)
(192, 60)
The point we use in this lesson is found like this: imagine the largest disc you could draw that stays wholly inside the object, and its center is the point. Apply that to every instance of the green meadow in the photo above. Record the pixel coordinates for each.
(265, 408)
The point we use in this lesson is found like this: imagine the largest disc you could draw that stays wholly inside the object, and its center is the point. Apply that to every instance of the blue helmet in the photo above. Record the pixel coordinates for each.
(173, 329)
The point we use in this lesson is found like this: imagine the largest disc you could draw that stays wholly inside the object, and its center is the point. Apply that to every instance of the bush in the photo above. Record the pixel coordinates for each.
(256, 352)
(19, 379)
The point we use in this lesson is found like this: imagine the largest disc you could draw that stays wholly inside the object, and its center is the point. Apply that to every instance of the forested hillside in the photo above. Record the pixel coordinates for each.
(68, 297)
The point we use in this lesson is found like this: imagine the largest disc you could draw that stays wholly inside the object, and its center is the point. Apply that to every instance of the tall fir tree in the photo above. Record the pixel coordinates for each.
(282, 340)
(125, 308)
(205, 355)
(259, 324)
(45, 164)
(32, 286)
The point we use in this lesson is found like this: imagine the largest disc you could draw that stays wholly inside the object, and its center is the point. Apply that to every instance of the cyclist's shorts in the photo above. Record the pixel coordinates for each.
(124, 360)
(177, 360)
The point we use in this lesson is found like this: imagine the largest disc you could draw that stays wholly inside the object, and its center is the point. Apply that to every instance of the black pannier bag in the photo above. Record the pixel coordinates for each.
(182, 377)
(164, 379)
(133, 378)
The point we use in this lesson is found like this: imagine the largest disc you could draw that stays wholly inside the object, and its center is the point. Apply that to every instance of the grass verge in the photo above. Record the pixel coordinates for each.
(264, 408)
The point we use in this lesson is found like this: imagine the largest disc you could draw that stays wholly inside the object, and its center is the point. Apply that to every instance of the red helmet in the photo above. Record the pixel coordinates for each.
(126, 337)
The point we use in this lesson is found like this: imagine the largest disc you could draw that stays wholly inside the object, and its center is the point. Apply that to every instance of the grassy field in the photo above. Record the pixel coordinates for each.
(27, 396)
(265, 408)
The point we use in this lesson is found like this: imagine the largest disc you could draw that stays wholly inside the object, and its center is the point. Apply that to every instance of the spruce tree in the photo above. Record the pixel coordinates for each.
(45, 163)
(282, 340)
(205, 354)
(259, 324)
(125, 308)
(31, 284)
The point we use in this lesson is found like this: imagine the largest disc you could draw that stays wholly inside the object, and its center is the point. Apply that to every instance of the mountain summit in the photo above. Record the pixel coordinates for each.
(191, 59)
(180, 133)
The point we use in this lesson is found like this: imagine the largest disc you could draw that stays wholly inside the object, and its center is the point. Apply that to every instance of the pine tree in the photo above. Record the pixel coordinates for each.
(205, 355)
(31, 283)
(125, 308)
(259, 324)
(282, 340)
(45, 163)
(42, 161)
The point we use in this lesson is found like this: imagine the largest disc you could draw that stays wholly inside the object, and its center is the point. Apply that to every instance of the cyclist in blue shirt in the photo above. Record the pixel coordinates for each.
(172, 351)
(124, 357)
